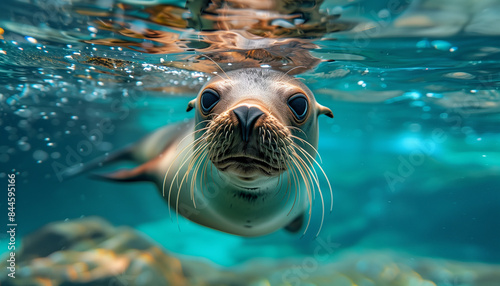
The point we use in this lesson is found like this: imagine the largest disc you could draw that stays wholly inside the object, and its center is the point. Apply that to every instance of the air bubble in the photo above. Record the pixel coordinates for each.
(441, 45)
(31, 39)
(40, 155)
(23, 112)
(384, 13)
(24, 146)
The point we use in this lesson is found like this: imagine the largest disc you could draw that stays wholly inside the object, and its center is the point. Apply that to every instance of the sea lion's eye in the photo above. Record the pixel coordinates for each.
(209, 99)
(298, 105)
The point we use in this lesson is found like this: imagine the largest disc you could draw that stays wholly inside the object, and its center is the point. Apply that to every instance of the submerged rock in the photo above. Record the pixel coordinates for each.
(90, 251)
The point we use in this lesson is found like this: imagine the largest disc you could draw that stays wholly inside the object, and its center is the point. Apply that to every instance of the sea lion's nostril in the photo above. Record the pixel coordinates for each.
(247, 118)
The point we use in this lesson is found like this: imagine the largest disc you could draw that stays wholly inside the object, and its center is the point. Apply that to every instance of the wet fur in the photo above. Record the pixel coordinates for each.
(189, 169)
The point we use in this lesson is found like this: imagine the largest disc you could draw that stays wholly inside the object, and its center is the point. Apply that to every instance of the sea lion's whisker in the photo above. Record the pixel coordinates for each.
(308, 196)
(299, 162)
(188, 155)
(282, 162)
(186, 172)
(300, 165)
(277, 157)
(195, 156)
(316, 178)
(191, 134)
(283, 75)
(308, 144)
(202, 122)
(175, 159)
(230, 80)
(194, 162)
(289, 185)
(319, 191)
(190, 146)
(270, 138)
(176, 176)
(297, 182)
(307, 168)
(217, 130)
(200, 160)
(209, 152)
(326, 177)
(180, 186)
(209, 155)
(297, 129)
(310, 165)
(204, 174)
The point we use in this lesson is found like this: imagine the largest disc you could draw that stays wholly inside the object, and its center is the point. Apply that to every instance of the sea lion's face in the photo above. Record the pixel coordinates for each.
(257, 122)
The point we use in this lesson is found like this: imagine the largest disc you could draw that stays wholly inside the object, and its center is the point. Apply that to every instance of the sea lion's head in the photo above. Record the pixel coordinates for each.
(256, 123)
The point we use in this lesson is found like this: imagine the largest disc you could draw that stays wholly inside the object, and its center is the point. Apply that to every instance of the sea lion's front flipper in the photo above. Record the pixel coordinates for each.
(125, 175)
(296, 224)
(144, 172)
(124, 154)
(140, 152)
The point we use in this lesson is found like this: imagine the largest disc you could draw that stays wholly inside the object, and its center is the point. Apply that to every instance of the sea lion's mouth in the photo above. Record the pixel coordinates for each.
(264, 150)
(247, 164)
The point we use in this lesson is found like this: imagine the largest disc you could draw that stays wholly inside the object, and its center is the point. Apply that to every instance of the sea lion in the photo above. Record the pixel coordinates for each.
(245, 164)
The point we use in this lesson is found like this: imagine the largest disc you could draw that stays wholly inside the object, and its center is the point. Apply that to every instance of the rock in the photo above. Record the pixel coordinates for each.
(90, 251)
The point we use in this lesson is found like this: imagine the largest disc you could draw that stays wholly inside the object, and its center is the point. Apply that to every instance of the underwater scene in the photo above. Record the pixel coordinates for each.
(325, 142)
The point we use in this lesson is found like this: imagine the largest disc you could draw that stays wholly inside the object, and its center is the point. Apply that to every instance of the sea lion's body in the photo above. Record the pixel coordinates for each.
(220, 205)
(237, 167)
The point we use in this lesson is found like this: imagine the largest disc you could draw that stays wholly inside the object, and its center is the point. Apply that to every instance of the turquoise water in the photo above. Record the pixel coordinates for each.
(413, 153)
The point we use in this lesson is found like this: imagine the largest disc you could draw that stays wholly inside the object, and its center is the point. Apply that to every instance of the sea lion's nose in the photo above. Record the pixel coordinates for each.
(247, 118)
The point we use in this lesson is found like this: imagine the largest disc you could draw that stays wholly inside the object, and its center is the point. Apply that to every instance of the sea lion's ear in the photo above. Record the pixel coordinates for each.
(325, 110)
(191, 105)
